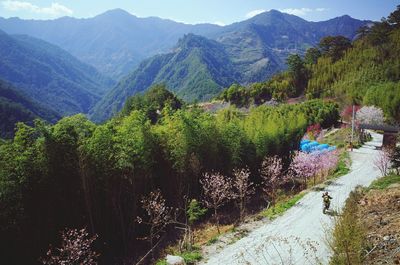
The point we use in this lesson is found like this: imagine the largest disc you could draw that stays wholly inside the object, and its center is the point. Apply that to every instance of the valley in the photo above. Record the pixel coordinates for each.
(134, 139)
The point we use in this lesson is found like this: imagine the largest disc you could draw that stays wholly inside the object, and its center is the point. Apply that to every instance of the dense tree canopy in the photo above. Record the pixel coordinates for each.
(368, 73)
(77, 174)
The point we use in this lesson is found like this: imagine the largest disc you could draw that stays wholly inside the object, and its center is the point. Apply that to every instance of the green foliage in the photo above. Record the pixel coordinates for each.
(191, 257)
(395, 159)
(312, 55)
(196, 70)
(15, 107)
(387, 96)
(334, 46)
(161, 262)
(298, 72)
(199, 68)
(50, 75)
(384, 182)
(348, 235)
(281, 86)
(195, 211)
(212, 241)
(367, 73)
(152, 102)
(282, 206)
(343, 165)
(82, 174)
(235, 94)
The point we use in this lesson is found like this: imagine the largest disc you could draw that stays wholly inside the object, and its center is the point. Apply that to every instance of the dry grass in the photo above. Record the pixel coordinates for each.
(208, 233)
(380, 212)
(367, 232)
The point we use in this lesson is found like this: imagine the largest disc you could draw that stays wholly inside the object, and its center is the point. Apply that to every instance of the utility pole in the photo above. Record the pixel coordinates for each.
(352, 129)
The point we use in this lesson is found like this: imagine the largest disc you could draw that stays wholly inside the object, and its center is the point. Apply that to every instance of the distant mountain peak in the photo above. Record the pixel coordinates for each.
(346, 16)
(115, 12)
(191, 40)
(273, 11)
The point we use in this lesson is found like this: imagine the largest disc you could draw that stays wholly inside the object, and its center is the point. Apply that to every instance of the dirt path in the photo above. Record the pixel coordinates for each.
(284, 240)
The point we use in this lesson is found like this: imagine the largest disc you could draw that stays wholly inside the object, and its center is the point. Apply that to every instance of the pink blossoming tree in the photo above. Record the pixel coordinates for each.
(243, 188)
(370, 115)
(326, 162)
(76, 248)
(217, 191)
(272, 178)
(304, 166)
(158, 215)
(382, 161)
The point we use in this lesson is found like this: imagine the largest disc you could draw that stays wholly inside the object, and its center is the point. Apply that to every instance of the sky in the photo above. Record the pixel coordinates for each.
(220, 12)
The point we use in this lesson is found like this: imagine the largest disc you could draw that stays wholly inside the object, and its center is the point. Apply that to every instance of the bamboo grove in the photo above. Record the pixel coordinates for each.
(77, 174)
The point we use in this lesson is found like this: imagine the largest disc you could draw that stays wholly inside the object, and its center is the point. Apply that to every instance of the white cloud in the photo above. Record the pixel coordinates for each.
(254, 13)
(54, 10)
(301, 11)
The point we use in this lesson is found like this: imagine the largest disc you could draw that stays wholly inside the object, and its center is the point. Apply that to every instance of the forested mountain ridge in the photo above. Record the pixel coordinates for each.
(244, 52)
(115, 42)
(16, 107)
(368, 73)
(196, 69)
(50, 75)
(364, 71)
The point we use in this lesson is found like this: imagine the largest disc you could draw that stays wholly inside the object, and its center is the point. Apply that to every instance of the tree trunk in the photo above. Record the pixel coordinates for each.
(217, 219)
(151, 243)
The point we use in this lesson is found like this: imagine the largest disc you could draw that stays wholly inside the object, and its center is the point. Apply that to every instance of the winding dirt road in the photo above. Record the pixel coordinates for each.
(303, 227)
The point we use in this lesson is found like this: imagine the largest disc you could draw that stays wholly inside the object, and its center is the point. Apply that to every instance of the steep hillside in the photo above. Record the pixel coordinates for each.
(196, 70)
(114, 42)
(50, 75)
(15, 107)
(271, 36)
(368, 73)
(248, 51)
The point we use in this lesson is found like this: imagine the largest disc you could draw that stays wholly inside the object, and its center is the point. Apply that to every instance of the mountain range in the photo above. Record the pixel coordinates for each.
(17, 107)
(50, 75)
(114, 42)
(194, 61)
(198, 68)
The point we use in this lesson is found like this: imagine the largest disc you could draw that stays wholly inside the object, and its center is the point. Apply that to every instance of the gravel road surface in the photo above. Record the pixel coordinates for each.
(286, 239)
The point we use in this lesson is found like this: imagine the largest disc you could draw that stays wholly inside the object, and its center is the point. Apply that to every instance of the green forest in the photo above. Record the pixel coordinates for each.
(76, 174)
(363, 72)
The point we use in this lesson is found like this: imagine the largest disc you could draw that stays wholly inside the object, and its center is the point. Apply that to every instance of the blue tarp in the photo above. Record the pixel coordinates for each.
(304, 141)
(313, 146)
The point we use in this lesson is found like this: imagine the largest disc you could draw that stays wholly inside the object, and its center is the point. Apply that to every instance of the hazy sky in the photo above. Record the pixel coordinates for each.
(196, 11)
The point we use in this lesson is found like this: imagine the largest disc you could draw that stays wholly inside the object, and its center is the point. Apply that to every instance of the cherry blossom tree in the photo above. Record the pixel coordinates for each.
(382, 161)
(326, 162)
(158, 215)
(217, 191)
(370, 115)
(243, 189)
(304, 165)
(76, 249)
(271, 174)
